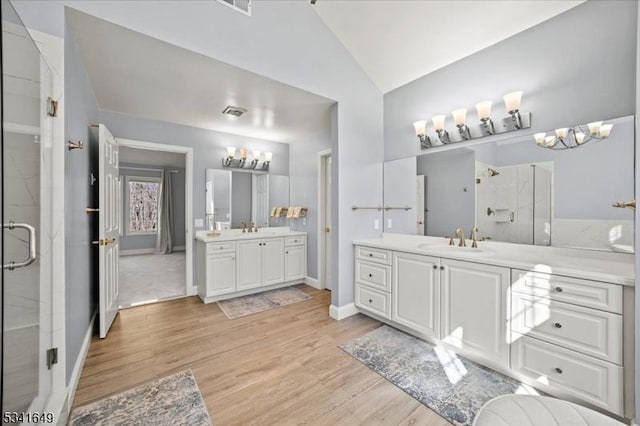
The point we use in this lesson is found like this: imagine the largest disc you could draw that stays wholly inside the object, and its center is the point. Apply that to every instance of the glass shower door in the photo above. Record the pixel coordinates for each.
(26, 233)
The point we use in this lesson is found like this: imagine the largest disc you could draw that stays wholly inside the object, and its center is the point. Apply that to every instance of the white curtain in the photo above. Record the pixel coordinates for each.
(164, 242)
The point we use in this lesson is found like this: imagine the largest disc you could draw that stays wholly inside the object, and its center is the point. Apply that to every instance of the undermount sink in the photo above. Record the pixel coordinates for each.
(450, 249)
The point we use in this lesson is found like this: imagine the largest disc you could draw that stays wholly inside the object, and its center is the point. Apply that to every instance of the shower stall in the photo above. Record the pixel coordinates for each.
(27, 114)
(513, 203)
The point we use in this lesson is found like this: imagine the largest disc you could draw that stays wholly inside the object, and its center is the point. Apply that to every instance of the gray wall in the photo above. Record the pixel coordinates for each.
(286, 41)
(304, 190)
(140, 242)
(240, 199)
(81, 228)
(448, 174)
(400, 189)
(568, 76)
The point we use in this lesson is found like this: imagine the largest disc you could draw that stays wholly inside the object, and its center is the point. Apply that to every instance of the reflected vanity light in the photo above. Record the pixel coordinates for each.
(241, 163)
(573, 137)
(514, 121)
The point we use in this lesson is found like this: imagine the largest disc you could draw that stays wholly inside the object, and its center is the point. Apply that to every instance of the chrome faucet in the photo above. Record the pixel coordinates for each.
(473, 235)
(251, 226)
(460, 234)
(244, 226)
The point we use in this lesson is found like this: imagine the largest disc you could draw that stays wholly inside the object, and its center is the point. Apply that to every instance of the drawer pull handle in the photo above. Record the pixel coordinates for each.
(558, 370)
(559, 289)
(557, 325)
(370, 300)
(370, 276)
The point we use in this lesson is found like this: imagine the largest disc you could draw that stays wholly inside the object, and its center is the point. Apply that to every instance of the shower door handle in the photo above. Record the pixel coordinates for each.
(32, 245)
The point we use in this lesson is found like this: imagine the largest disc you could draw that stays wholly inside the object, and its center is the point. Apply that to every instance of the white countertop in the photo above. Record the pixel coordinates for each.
(237, 234)
(617, 268)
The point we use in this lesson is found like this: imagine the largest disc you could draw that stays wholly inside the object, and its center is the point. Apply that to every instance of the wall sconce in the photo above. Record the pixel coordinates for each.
(573, 137)
(459, 118)
(512, 105)
(421, 133)
(514, 121)
(484, 114)
(241, 163)
(438, 125)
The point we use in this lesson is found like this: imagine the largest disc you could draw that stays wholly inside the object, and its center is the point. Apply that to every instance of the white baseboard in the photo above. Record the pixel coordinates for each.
(137, 252)
(342, 312)
(77, 368)
(313, 282)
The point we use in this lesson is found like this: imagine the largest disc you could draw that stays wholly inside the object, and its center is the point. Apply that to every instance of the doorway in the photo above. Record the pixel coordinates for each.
(324, 222)
(155, 248)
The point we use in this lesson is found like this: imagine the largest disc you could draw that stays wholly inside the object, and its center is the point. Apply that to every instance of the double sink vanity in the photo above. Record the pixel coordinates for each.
(554, 318)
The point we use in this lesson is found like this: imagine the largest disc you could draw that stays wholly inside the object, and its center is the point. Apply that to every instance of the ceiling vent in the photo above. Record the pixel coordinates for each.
(234, 111)
(243, 6)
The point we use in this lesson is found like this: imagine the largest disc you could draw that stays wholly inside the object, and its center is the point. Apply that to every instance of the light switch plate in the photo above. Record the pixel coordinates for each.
(199, 223)
(389, 223)
(376, 224)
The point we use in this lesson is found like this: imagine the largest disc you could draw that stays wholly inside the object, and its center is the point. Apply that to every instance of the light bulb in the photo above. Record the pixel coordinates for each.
(438, 122)
(484, 109)
(562, 133)
(459, 116)
(231, 151)
(256, 155)
(243, 153)
(579, 137)
(594, 127)
(268, 156)
(605, 130)
(512, 101)
(539, 138)
(421, 127)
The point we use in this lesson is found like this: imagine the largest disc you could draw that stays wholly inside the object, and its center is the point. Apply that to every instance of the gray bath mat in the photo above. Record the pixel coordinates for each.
(254, 303)
(452, 386)
(174, 400)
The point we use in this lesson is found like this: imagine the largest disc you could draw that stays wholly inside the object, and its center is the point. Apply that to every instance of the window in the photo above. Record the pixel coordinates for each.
(144, 194)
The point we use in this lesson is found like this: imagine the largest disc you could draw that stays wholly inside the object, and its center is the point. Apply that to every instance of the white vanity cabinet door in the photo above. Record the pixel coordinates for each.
(295, 261)
(248, 264)
(474, 308)
(415, 292)
(272, 261)
(221, 274)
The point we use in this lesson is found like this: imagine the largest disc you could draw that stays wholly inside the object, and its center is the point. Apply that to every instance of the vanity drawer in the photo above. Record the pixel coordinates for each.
(373, 255)
(592, 294)
(373, 300)
(221, 247)
(598, 382)
(373, 275)
(294, 241)
(586, 330)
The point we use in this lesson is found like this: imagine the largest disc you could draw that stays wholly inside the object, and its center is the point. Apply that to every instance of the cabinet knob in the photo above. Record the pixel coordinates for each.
(557, 325)
(370, 275)
(370, 300)
(435, 266)
(370, 254)
(286, 252)
(559, 289)
(558, 370)
(442, 268)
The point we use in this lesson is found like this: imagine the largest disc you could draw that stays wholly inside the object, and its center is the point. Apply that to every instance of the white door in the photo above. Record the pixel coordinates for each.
(420, 203)
(272, 261)
(416, 292)
(221, 274)
(108, 228)
(327, 221)
(474, 308)
(248, 264)
(294, 263)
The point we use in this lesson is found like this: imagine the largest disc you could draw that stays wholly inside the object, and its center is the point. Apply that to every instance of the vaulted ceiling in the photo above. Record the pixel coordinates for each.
(397, 41)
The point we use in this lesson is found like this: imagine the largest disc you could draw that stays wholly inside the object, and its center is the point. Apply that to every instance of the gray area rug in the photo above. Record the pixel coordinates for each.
(254, 303)
(452, 386)
(173, 400)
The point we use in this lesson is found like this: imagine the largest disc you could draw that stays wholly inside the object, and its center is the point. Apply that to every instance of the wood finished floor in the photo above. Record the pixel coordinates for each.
(281, 366)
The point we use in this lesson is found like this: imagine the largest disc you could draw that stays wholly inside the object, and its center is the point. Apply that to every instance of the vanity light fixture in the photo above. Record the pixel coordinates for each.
(241, 163)
(514, 121)
(573, 137)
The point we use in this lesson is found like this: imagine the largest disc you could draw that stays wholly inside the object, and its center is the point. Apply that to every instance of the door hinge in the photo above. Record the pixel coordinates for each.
(52, 108)
(52, 357)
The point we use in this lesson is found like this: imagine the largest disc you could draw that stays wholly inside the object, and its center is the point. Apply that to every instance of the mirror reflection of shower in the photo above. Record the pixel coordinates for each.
(514, 202)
